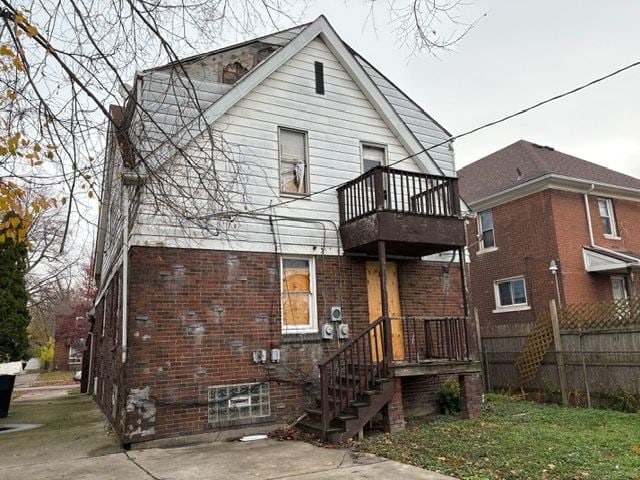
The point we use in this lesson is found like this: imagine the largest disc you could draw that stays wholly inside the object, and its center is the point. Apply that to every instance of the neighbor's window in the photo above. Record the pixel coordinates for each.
(298, 303)
(372, 156)
(510, 292)
(619, 287)
(75, 353)
(605, 207)
(294, 165)
(485, 229)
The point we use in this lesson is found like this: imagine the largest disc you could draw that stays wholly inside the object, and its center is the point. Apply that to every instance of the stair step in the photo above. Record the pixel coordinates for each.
(316, 427)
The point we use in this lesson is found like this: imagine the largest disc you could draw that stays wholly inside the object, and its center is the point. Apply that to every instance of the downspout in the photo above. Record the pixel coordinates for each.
(125, 271)
(588, 213)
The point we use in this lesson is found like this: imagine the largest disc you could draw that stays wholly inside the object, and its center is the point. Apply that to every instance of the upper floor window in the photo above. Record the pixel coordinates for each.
(298, 302)
(373, 156)
(605, 207)
(510, 293)
(294, 164)
(485, 230)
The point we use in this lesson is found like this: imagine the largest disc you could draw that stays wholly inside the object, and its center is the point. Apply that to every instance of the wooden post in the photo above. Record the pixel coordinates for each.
(476, 318)
(557, 343)
(382, 259)
(584, 371)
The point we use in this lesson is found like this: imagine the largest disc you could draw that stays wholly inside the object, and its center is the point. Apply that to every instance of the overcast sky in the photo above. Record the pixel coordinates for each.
(520, 53)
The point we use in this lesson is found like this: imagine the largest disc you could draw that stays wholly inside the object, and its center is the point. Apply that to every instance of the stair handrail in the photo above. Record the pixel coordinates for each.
(327, 368)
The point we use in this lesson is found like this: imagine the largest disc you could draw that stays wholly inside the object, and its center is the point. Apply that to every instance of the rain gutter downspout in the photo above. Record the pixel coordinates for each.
(125, 272)
(588, 213)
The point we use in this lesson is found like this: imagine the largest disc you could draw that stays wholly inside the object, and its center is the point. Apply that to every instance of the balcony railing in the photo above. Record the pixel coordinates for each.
(387, 189)
(435, 339)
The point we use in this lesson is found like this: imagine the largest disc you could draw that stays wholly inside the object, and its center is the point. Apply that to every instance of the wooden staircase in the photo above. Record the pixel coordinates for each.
(355, 384)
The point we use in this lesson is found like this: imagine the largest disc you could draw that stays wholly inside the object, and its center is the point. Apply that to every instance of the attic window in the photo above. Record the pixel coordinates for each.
(319, 78)
(232, 72)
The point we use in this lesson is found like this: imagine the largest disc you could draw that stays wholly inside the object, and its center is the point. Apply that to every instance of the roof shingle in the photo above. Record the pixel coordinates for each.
(524, 161)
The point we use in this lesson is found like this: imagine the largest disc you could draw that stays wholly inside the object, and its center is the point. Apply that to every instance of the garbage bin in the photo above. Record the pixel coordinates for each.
(6, 389)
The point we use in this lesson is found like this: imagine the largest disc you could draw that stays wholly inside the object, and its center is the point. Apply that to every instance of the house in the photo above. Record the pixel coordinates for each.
(277, 309)
(549, 226)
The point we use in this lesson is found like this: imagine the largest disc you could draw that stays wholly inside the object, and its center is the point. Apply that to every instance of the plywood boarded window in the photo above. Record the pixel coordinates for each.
(298, 303)
(294, 165)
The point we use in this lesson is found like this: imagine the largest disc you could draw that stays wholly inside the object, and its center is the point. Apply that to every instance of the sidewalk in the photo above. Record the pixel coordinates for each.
(73, 443)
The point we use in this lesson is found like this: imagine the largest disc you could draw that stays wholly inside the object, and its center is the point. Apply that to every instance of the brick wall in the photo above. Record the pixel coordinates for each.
(525, 241)
(572, 232)
(196, 316)
(529, 233)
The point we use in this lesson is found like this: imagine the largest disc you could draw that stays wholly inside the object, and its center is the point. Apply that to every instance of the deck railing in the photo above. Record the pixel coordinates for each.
(388, 189)
(435, 338)
(353, 369)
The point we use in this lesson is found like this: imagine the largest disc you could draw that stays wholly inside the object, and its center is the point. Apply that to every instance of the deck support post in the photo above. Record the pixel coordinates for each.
(384, 297)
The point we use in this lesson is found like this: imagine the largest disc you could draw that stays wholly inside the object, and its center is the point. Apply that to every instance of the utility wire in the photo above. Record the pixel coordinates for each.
(464, 134)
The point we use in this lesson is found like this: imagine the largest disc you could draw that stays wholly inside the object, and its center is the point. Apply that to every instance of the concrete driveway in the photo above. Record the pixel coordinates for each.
(74, 444)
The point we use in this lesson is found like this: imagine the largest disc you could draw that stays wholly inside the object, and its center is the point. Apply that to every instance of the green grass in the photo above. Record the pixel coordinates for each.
(522, 440)
(54, 378)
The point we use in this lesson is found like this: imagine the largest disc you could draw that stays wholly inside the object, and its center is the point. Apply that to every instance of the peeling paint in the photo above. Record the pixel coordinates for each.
(141, 410)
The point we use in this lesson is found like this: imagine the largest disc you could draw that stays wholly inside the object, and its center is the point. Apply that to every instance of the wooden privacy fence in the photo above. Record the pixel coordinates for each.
(580, 318)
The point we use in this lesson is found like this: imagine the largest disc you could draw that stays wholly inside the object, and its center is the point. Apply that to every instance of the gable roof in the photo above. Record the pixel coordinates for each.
(386, 108)
(523, 162)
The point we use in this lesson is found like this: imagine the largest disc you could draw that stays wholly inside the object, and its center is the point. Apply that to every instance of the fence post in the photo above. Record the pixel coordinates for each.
(584, 371)
(557, 343)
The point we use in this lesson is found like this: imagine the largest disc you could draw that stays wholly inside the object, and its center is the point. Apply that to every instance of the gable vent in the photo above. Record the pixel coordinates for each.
(319, 78)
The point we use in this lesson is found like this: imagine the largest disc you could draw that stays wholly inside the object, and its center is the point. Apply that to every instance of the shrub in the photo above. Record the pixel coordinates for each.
(624, 401)
(449, 397)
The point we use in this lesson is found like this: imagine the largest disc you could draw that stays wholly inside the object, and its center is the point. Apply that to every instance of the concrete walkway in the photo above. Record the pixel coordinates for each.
(73, 444)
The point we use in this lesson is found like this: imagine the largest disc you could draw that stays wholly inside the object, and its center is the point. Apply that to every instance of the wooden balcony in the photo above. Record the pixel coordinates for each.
(413, 213)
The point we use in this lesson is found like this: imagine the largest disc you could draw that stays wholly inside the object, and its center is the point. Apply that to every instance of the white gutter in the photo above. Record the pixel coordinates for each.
(125, 271)
(588, 213)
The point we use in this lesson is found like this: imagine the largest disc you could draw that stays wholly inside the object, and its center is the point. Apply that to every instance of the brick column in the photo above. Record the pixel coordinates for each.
(470, 396)
(394, 411)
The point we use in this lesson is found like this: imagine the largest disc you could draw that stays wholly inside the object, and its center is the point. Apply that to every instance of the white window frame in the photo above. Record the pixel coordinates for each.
(513, 307)
(312, 327)
(623, 279)
(72, 359)
(610, 215)
(307, 176)
(482, 248)
(382, 146)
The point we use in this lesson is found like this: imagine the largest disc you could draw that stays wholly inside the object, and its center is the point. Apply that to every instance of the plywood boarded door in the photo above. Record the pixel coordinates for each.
(375, 304)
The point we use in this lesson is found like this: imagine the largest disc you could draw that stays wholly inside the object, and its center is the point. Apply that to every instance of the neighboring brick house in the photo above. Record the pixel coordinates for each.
(197, 333)
(70, 332)
(540, 210)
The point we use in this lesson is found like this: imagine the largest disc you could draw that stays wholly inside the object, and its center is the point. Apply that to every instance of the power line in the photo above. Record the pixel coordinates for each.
(464, 134)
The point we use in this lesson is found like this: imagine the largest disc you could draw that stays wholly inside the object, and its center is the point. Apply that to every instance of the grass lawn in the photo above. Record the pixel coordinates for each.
(54, 378)
(522, 440)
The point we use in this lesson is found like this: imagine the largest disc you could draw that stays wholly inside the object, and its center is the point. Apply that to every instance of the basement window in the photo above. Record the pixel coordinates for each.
(238, 402)
(319, 70)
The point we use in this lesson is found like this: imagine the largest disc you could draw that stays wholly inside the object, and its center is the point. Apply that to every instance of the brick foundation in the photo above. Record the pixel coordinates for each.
(196, 316)
(470, 396)
(393, 413)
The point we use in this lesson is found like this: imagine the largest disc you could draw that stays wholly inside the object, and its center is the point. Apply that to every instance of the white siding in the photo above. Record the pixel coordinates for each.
(336, 124)
(426, 131)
